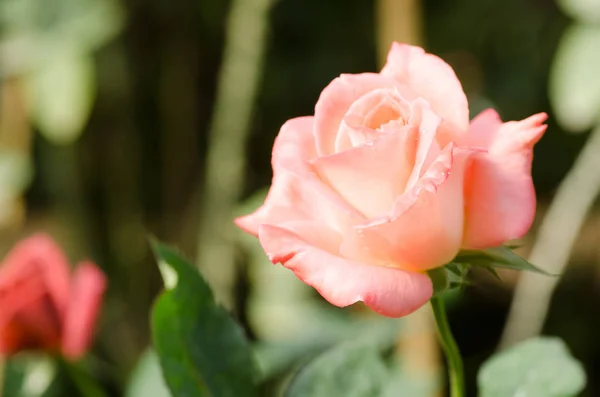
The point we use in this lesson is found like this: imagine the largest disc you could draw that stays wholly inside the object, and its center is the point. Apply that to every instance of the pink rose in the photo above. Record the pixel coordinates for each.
(42, 305)
(389, 179)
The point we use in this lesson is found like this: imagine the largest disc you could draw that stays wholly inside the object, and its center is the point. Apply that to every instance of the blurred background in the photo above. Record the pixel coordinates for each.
(124, 118)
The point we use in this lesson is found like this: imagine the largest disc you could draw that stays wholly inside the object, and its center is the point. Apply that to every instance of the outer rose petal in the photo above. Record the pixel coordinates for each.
(483, 129)
(336, 99)
(432, 78)
(28, 318)
(19, 294)
(87, 288)
(293, 197)
(296, 192)
(38, 326)
(39, 254)
(499, 193)
(390, 292)
(294, 145)
(425, 230)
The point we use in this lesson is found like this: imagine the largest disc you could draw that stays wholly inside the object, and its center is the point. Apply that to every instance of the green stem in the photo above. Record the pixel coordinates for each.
(455, 365)
(83, 382)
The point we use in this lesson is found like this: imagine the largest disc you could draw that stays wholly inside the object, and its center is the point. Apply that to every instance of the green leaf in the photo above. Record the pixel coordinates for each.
(540, 367)
(61, 93)
(501, 257)
(574, 83)
(493, 272)
(202, 350)
(146, 379)
(349, 370)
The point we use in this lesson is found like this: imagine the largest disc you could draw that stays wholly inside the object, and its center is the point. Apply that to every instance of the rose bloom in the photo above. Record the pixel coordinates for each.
(42, 305)
(389, 179)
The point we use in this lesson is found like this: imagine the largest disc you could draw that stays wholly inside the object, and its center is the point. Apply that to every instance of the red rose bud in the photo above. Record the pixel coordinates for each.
(42, 305)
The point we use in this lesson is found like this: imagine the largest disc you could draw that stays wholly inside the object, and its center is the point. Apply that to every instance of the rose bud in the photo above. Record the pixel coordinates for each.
(43, 306)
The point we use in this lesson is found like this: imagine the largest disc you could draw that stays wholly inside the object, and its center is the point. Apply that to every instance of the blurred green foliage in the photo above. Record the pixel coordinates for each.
(540, 367)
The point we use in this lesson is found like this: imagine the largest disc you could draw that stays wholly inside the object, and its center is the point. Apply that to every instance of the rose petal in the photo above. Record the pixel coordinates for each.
(483, 129)
(19, 294)
(294, 145)
(372, 176)
(428, 150)
(367, 115)
(336, 99)
(425, 230)
(39, 325)
(296, 192)
(500, 196)
(28, 319)
(390, 292)
(87, 288)
(294, 197)
(433, 79)
(39, 255)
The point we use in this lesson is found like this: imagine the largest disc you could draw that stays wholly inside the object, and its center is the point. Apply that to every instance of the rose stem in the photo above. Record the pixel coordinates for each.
(455, 364)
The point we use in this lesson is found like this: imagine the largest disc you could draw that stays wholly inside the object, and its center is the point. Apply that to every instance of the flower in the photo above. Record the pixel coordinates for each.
(42, 305)
(389, 179)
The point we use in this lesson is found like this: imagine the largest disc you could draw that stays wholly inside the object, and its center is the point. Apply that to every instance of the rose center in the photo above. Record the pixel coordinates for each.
(368, 117)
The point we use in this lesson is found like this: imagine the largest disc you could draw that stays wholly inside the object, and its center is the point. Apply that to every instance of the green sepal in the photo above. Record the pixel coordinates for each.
(497, 257)
(449, 277)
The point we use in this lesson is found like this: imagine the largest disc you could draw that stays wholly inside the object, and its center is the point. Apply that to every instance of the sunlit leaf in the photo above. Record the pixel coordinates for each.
(33, 31)
(16, 172)
(540, 367)
(61, 95)
(28, 375)
(574, 83)
(582, 10)
(349, 370)
(403, 384)
(146, 379)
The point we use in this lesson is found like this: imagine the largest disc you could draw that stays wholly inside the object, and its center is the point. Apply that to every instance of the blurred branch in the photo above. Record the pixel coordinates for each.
(552, 249)
(397, 20)
(123, 217)
(179, 142)
(61, 170)
(418, 349)
(400, 20)
(15, 141)
(238, 83)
